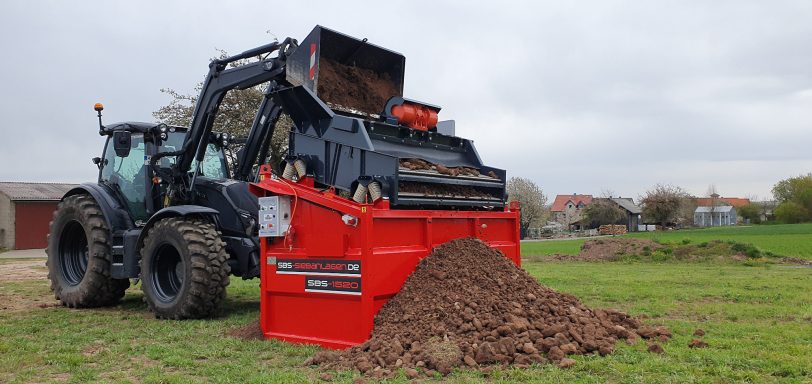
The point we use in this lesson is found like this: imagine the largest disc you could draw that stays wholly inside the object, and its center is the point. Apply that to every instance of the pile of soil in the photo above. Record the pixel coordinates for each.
(613, 249)
(353, 87)
(468, 305)
(251, 331)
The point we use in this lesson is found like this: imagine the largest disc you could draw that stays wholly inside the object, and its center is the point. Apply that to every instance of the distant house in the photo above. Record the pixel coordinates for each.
(710, 216)
(633, 212)
(715, 200)
(566, 209)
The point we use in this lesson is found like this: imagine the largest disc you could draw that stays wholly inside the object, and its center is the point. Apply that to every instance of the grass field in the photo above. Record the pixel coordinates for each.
(758, 322)
(785, 240)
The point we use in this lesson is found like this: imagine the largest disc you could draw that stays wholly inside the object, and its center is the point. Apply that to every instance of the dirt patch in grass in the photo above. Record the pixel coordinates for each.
(22, 270)
(467, 305)
(612, 249)
(633, 249)
(796, 261)
(93, 350)
(251, 331)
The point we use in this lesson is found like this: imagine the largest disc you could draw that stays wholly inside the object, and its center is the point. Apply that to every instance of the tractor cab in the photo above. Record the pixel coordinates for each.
(124, 165)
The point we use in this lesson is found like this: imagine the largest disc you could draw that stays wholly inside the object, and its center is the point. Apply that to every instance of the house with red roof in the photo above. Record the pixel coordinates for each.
(566, 209)
(716, 200)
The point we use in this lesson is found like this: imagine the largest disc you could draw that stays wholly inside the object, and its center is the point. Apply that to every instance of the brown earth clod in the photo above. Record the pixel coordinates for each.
(251, 331)
(696, 343)
(656, 348)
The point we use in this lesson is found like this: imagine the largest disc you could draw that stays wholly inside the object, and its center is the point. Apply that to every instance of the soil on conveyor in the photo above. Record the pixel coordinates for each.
(423, 165)
(353, 87)
(442, 190)
(466, 304)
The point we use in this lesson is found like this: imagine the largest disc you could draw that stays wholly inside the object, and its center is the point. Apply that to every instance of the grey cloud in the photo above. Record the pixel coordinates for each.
(579, 96)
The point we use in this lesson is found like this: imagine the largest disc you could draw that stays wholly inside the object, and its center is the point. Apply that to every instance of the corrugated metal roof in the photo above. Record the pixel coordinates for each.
(627, 204)
(18, 191)
(719, 208)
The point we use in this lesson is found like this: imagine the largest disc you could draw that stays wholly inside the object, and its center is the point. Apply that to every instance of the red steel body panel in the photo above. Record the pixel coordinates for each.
(31, 220)
(385, 244)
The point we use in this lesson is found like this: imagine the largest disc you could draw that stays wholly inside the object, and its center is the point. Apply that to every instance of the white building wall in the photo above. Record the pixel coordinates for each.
(6, 222)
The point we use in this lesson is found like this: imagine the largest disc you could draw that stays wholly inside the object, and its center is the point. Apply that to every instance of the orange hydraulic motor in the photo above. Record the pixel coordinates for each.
(410, 113)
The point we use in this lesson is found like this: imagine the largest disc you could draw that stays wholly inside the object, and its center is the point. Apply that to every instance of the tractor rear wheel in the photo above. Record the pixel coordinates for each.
(79, 255)
(184, 268)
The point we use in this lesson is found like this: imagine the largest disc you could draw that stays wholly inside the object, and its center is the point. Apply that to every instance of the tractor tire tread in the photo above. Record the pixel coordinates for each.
(206, 253)
(97, 288)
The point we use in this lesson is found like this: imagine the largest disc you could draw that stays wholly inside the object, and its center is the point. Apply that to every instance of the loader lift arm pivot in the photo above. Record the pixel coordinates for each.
(218, 82)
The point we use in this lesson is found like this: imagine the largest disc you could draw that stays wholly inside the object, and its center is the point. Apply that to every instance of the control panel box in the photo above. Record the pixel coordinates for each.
(274, 216)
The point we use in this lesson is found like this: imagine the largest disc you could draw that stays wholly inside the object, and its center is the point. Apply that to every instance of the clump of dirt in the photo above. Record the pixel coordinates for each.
(468, 305)
(353, 87)
(656, 348)
(251, 331)
(696, 343)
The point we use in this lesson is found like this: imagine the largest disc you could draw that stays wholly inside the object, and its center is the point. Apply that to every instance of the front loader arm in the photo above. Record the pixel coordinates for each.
(259, 138)
(218, 82)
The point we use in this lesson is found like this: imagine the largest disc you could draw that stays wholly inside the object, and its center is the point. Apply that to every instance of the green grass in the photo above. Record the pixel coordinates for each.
(758, 322)
(551, 247)
(785, 240)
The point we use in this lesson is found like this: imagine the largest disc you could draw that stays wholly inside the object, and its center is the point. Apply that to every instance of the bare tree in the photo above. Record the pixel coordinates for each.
(714, 198)
(531, 200)
(663, 203)
(235, 116)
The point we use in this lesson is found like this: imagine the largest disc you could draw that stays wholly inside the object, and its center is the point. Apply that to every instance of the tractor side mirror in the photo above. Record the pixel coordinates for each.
(121, 143)
(97, 161)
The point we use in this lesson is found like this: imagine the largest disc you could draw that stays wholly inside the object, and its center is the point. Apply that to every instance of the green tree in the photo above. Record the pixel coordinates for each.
(603, 211)
(532, 202)
(235, 116)
(795, 190)
(662, 204)
(750, 212)
(791, 212)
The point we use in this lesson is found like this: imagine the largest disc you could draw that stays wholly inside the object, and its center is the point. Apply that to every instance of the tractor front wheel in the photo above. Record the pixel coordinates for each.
(184, 268)
(79, 255)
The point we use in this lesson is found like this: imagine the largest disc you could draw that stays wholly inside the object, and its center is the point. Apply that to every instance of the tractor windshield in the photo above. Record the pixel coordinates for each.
(214, 163)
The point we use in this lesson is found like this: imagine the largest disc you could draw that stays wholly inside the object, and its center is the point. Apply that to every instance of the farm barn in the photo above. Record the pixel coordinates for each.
(25, 211)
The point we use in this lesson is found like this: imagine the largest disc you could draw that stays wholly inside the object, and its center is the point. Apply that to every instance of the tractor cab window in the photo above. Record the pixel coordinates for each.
(128, 174)
(214, 162)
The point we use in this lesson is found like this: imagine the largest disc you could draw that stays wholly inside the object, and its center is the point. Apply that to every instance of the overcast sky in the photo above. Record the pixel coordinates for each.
(582, 97)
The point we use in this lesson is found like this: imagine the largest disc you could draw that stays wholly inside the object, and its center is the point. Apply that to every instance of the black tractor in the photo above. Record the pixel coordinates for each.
(164, 209)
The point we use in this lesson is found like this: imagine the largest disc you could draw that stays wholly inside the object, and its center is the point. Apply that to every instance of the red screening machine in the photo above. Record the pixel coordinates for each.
(368, 189)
